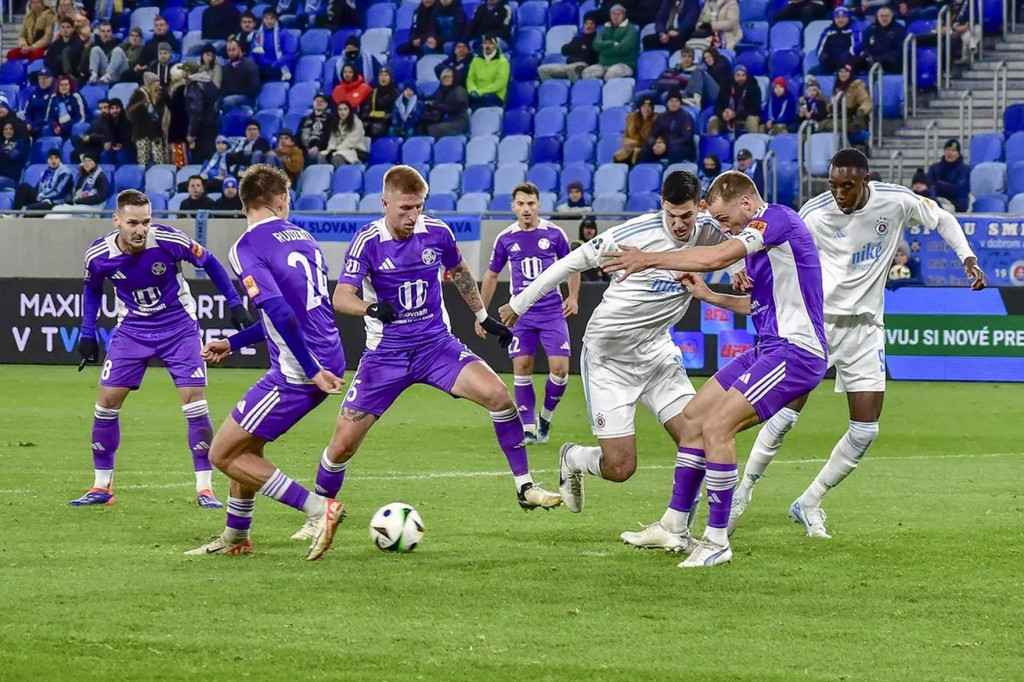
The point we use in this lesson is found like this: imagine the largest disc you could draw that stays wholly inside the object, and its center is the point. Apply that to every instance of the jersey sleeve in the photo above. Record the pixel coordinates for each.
(756, 236)
(925, 212)
(180, 246)
(450, 254)
(562, 244)
(499, 256)
(920, 211)
(254, 273)
(357, 264)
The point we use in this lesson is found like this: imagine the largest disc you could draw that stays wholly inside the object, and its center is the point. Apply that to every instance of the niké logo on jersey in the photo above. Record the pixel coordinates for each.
(864, 258)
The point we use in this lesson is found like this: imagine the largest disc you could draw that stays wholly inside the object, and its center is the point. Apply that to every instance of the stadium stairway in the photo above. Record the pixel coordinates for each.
(944, 109)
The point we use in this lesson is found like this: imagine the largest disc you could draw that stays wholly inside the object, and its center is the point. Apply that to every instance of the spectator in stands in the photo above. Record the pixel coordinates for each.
(113, 11)
(36, 32)
(288, 156)
(65, 108)
(718, 24)
(617, 46)
(267, 51)
(352, 90)
(575, 202)
(487, 81)
(459, 63)
(493, 18)
(780, 110)
(376, 111)
(229, 199)
(340, 13)
(364, 64)
(674, 128)
(718, 67)
(240, 80)
(347, 143)
(447, 113)
(251, 150)
(950, 179)
(208, 62)
(117, 145)
(905, 269)
(579, 53)
(639, 125)
(909, 11)
(814, 104)
(161, 35)
(425, 33)
(710, 168)
(302, 13)
(858, 101)
(315, 131)
(883, 43)
(919, 184)
(103, 45)
(55, 185)
(749, 166)
(451, 20)
(176, 120)
(13, 157)
(693, 81)
(246, 31)
(38, 98)
(66, 9)
(196, 199)
(215, 171)
(219, 20)
(407, 112)
(739, 106)
(163, 64)
(201, 99)
(125, 62)
(835, 46)
(674, 25)
(8, 115)
(588, 230)
(66, 41)
(804, 11)
(78, 59)
(92, 187)
(146, 113)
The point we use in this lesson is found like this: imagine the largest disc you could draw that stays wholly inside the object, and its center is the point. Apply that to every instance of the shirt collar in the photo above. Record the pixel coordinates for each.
(385, 233)
(260, 222)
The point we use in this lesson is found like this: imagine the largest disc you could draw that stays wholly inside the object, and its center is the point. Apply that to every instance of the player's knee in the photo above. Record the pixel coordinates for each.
(495, 397)
(716, 432)
(221, 456)
(559, 372)
(341, 448)
(619, 469)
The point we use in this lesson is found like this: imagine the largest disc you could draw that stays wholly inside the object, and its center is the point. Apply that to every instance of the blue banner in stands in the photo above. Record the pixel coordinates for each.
(998, 242)
(341, 228)
(202, 221)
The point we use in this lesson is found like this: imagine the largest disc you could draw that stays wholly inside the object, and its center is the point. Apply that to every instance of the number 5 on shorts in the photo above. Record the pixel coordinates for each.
(881, 360)
(353, 391)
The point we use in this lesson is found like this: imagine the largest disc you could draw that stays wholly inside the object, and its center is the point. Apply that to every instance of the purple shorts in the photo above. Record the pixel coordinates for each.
(129, 355)
(383, 374)
(552, 333)
(770, 377)
(272, 406)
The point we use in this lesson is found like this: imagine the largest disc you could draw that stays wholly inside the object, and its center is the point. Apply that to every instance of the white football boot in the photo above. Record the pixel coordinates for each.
(306, 533)
(740, 501)
(707, 553)
(221, 545)
(656, 536)
(570, 482)
(813, 519)
(531, 496)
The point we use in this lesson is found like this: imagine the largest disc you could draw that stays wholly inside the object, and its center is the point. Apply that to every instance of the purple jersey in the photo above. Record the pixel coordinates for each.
(406, 274)
(153, 297)
(530, 252)
(273, 259)
(782, 260)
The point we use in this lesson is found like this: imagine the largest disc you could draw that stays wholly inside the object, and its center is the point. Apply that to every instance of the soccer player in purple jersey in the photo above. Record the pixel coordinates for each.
(398, 261)
(530, 246)
(282, 270)
(156, 319)
(788, 361)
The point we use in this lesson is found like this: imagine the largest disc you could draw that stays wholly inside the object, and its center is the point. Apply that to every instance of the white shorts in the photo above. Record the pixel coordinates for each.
(614, 387)
(856, 348)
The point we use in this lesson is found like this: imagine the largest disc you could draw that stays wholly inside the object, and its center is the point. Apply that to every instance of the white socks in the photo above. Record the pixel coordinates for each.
(520, 481)
(674, 521)
(844, 459)
(769, 440)
(104, 478)
(204, 480)
(585, 459)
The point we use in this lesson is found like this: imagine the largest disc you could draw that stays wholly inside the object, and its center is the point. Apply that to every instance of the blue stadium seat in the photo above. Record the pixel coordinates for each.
(529, 42)
(300, 96)
(426, 89)
(477, 178)
(437, 201)
(576, 172)
(13, 72)
(1013, 118)
(12, 92)
(580, 148)
(376, 41)
(482, 150)
(545, 176)
(755, 10)
(157, 201)
(606, 148)
(309, 68)
(485, 122)
(785, 147)
(788, 185)
(370, 203)
(994, 203)
(549, 122)
(450, 149)
(649, 66)
(518, 122)
(143, 17)
(988, 178)
(891, 96)
(373, 179)
(1016, 205)
(160, 179)
(270, 122)
(986, 147)
(475, 202)
(557, 37)
(614, 202)
(500, 203)
(232, 123)
(42, 147)
(617, 92)
(66, 149)
(195, 18)
(192, 44)
(819, 150)
(341, 36)
(311, 202)
(417, 149)
(385, 150)
(755, 35)
(810, 61)
(33, 173)
(532, 13)
(562, 13)
(812, 34)
(315, 41)
(379, 15)
(1015, 148)
(612, 121)
(645, 177)
(1015, 179)
(445, 177)
(755, 143)
(183, 173)
(524, 68)
(553, 93)
(521, 94)
(547, 202)
(348, 178)
(508, 176)
(293, 119)
(927, 64)
(787, 63)
(92, 94)
(426, 65)
(131, 176)
(546, 150)
(514, 149)
(582, 120)
(345, 202)
(403, 69)
(716, 144)
(787, 35)
(174, 203)
(756, 61)
(316, 179)
(610, 178)
(643, 202)
(586, 92)
(122, 91)
(404, 16)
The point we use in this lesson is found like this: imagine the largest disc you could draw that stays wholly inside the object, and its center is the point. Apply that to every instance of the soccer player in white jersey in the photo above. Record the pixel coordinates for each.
(628, 354)
(529, 246)
(857, 225)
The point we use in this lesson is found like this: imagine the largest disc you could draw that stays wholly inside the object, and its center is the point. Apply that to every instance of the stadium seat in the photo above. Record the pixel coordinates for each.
(610, 178)
(450, 149)
(521, 94)
(986, 147)
(1013, 118)
(518, 122)
(612, 121)
(160, 179)
(532, 13)
(580, 172)
(927, 63)
(995, 203)
(270, 122)
(346, 179)
(755, 143)
(482, 150)
(426, 89)
(617, 92)
(130, 176)
(580, 148)
(405, 15)
(786, 63)
(309, 68)
(42, 147)
(643, 202)
(818, 151)
(508, 176)
(785, 147)
(1016, 205)
(232, 123)
(379, 15)
(346, 202)
(614, 202)
(437, 201)
(403, 69)
(755, 35)
(479, 178)
(385, 150)
(13, 72)
(545, 176)
(586, 92)
(529, 42)
(719, 145)
(157, 201)
(311, 202)
(645, 177)
(300, 96)
(755, 10)
(524, 68)
(606, 148)
(33, 173)
(514, 149)
(192, 44)
(195, 18)
(756, 61)
(549, 122)
(500, 203)
(174, 203)
(417, 149)
(316, 179)
(582, 120)
(557, 37)
(553, 93)
(376, 42)
(143, 18)
(293, 119)
(370, 203)
(445, 177)
(92, 94)
(1014, 148)
(546, 150)
(13, 95)
(340, 36)
(988, 178)
(122, 91)
(66, 150)
(183, 173)
(649, 66)
(315, 41)
(426, 65)
(787, 35)
(891, 96)
(485, 122)
(476, 202)
(373, 178)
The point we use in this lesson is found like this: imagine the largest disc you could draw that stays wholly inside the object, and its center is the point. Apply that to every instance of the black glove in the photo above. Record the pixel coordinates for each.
(240, 317)
(383, 311)
(504, 334)
(89, 349)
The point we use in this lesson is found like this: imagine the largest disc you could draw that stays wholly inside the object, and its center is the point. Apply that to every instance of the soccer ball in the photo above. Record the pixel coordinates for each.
(396, 527)
(899, 272)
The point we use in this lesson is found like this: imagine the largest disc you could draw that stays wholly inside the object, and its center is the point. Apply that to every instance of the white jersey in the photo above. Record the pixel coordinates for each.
(857, 250)
(637, 312)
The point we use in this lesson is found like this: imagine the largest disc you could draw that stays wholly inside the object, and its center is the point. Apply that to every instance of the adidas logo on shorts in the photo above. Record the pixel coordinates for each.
(198, 374)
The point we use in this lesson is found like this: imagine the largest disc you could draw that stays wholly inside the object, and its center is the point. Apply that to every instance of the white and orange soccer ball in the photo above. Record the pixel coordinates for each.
(396, 527)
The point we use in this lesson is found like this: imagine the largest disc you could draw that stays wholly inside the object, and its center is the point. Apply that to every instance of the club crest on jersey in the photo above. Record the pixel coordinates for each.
(429, 256)
(159, 268)
(882, 227)
(599, 420)
(543, 244)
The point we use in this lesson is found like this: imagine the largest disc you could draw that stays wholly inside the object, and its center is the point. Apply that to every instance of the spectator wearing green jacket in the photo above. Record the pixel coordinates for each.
(617, 46)
(487, 80)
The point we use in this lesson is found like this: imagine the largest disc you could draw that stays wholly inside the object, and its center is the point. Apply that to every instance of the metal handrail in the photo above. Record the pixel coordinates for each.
(944, 26)
(875, 75)
(772, 195)
(931, 139)
(909, 77)
(804, 180)
(896, 160)
(966, 100)
(997, 92)
(978, 21)
(839, 118)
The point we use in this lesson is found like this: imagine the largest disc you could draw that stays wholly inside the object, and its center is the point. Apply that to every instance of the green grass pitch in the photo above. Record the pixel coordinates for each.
(922, 581)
